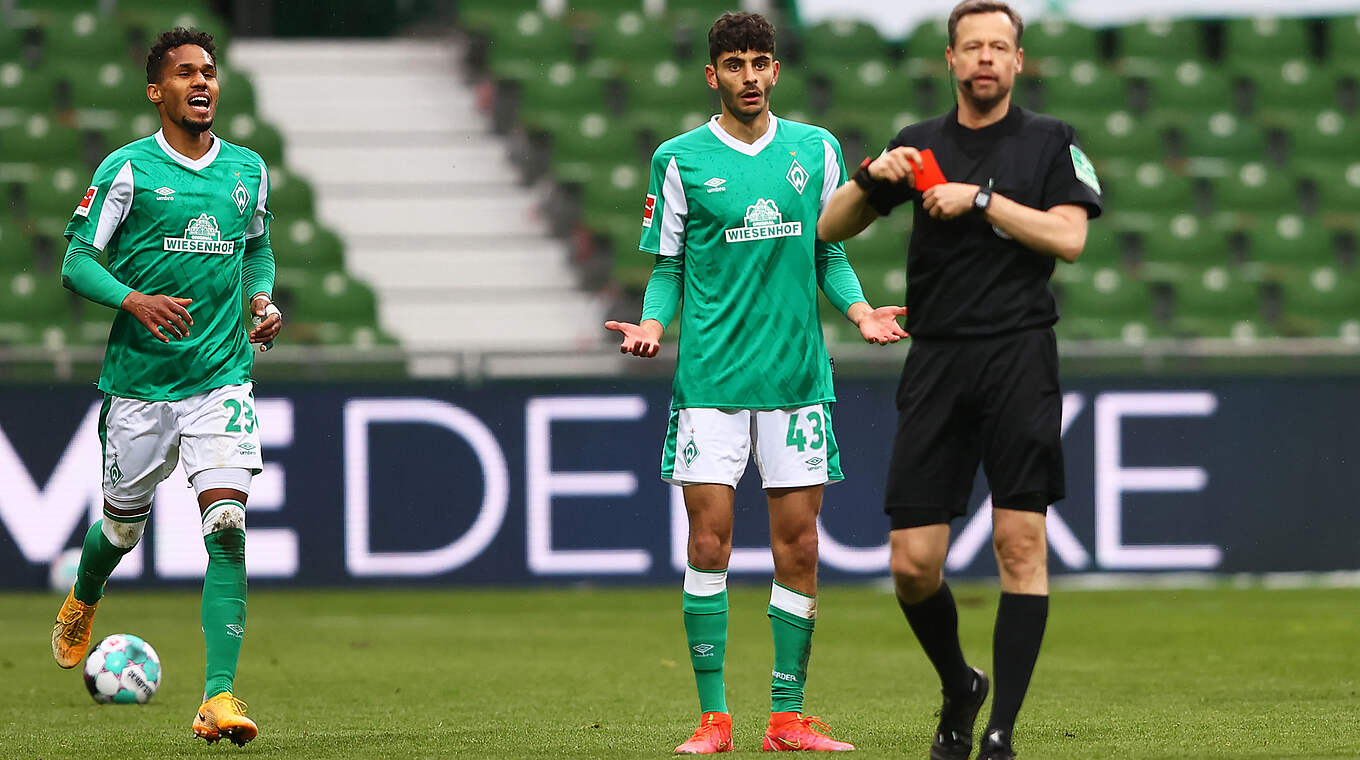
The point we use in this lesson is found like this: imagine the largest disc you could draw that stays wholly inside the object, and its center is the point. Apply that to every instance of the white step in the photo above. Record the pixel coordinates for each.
(459, 164)
(432, 217)
(462, 270)
(509, 323)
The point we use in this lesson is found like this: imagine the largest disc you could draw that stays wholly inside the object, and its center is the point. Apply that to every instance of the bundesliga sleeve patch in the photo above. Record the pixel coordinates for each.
(648, 210)
(83, 209)
(1081, 166)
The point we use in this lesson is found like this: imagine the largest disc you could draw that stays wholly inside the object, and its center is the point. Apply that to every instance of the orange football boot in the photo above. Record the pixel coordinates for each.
(71, 632)
(713, 735)
(224, 716)
(791, 732)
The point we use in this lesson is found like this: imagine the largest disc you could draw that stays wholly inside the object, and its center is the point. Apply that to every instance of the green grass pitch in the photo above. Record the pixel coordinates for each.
(602, 673)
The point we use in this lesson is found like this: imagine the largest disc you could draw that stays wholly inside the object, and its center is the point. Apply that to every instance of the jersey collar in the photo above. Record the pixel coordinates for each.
(183, 160)
(751, 149)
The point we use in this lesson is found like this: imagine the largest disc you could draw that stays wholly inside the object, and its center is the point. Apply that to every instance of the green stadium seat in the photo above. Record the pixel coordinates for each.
(619, 190)
(24, 89)
(528, 37)
(145, 20)
(1104, 248)
(302, 242)
(1337, 184)
(1117, 135)
(1286, 93)
(56, 190)
(41, 140)
(34, 299)
(1160, 40)
(290, 196)
(1057, 39)
(132, 127)
(1111, 306)
(485, 15)
(1191, 86)
(105, 87)
(1265, 38)
(1222, 135)
(16, 250)
(871, 84)
(1217, 304)
(1291, 241)
(85, 37)
(1254, 188)
(624, 39)
(1179, 244)
(929, 40)
(247, 130)
(1343, 38)
(11, 42)
(337, 298)
(560, 86)
(669, 86)
(1153, 188)
(1328, 136)
(1083, 85)
(1322, 303)
(236, 93)
(836, 48)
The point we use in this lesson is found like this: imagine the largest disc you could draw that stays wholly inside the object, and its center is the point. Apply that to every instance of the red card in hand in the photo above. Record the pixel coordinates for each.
(929, 175)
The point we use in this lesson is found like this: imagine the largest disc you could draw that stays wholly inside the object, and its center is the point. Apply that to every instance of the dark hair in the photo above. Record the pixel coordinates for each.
(169, 41)
(735, 32)
(970, 7)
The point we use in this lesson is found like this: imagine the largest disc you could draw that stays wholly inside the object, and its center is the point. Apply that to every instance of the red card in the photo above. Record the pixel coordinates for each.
(929, 175)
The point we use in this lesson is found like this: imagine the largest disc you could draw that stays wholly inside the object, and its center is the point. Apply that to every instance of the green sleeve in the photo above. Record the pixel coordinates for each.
(663, 289)
(82, 274)
(836, 277)
(257, 267)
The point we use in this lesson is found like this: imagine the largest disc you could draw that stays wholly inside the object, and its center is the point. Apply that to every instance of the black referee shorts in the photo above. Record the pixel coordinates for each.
(960, 402)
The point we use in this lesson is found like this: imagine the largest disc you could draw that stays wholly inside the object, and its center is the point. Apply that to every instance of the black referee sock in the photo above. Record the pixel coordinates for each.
(935, 621)
(1020, 622)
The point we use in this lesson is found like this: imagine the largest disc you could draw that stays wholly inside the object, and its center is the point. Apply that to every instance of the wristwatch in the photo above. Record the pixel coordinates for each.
(862, 178)
(983, 199)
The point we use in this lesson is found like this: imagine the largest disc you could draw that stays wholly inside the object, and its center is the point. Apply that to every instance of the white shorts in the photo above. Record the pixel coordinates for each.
(144, 440)
(792, 447)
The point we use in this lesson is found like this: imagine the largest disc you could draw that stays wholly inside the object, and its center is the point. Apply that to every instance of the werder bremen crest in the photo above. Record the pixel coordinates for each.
(763, 221)
(202, 235)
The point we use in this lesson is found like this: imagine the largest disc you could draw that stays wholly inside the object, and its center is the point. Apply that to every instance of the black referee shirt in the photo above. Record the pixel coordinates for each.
(966, 278)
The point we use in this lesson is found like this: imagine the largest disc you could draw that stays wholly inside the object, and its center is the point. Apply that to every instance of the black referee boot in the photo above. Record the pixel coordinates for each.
(954, 735)
(996, 745)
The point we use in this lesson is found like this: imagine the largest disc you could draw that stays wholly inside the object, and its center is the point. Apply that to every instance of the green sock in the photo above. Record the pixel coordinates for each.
(792, 617)
(224, 605)
(706, 631)
(98, 558)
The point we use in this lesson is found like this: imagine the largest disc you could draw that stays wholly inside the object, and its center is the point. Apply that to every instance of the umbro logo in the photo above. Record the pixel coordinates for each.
(703, 650)
(235, 630)
(165, 193)
(715, 185)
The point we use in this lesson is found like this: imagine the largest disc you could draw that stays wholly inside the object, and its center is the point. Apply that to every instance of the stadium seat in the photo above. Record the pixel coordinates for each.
(1222, 135)
(1190, 86)
(1160, 40)
(247, 130)
(560, 86)
(838, 47)
(1117, 135)
(1286, 93)
(107, 86)
(485, 15)
(1217, 304)
(528, 37)
(929, 40)
(337, 298)
(56, 189)
(667, 85)
(870, 84)
(1322, 303)
(1178, 245)
(1254, 188)
(1343, 38)
(1328, 136)
(305, 243)
(1153, 188)
(31, 300)
(1083, 85)
(1054, 38)
(1265, 38)
(25, 89)
(85, 37)
(1291, 241)
(1337, 184)
(16, 250)
(290, 197)
(41, 140)
(146, 19)
(619, 41)
(236, 94)
(1112, 306)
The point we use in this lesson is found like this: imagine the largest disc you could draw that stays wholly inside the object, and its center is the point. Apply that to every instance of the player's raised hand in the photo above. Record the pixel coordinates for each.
(897, 165)
(160, 311)
(880, 325)
(639, 340)
(268, 319)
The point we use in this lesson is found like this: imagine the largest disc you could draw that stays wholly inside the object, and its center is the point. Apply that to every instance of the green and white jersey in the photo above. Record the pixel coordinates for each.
(177, 226)
(744, 217)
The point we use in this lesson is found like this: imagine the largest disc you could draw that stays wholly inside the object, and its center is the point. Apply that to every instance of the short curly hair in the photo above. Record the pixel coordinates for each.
(169, 41)
(735, 32)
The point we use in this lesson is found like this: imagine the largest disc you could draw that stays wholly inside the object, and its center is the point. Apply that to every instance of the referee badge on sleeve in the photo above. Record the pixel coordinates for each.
(1081, 166)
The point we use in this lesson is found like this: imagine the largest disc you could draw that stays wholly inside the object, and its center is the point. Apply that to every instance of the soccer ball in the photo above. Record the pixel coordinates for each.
(123, 669)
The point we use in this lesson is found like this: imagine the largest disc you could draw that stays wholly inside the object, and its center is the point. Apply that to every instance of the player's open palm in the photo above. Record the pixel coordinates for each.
(639, 340)
(160, 312)
(880, 325)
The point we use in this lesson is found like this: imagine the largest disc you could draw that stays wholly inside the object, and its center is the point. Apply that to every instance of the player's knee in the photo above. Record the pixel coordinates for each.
(913, 578)
(1020, 555)
(798, 549)
(709, 550)
(123, 535)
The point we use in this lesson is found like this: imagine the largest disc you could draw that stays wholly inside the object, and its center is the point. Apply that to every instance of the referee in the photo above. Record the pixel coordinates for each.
(980, 383)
